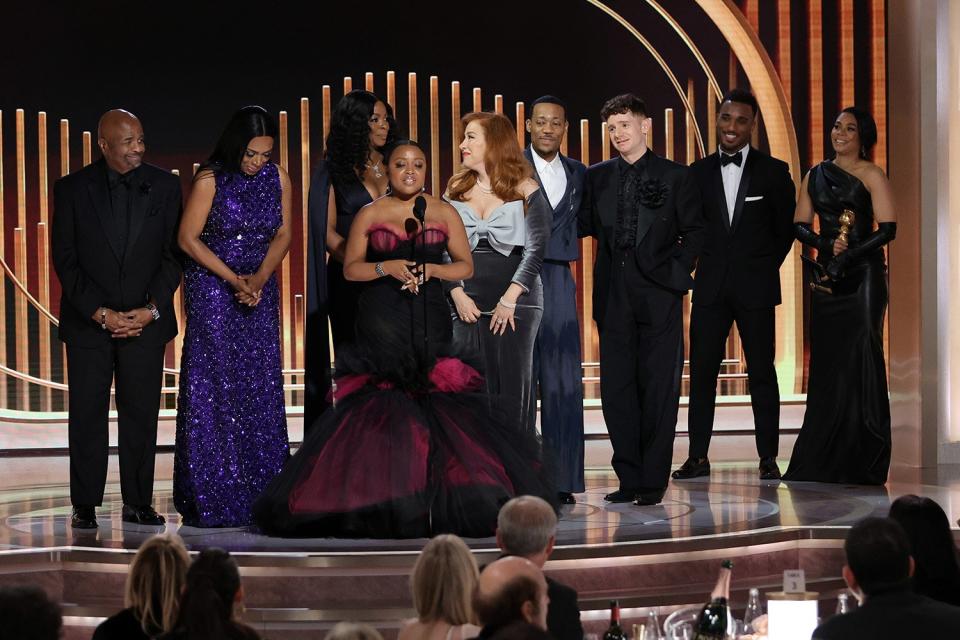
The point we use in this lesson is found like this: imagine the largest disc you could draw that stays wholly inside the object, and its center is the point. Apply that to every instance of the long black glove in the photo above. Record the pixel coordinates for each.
(886, 232)
(809, 237)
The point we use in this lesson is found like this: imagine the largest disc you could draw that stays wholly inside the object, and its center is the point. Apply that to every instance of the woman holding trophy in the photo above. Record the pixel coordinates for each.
(845, 436)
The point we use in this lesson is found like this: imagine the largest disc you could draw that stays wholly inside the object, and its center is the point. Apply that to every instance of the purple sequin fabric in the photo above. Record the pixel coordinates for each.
(231, 425)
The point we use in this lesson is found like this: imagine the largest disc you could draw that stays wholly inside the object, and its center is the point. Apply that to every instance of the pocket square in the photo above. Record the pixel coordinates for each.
(753, 198)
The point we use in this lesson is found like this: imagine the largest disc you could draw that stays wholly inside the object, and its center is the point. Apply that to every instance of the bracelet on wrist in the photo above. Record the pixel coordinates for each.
(507, 305)
(379, 269)
(103, 318)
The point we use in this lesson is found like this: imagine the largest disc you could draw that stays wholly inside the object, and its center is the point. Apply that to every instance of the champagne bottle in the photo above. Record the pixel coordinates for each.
(614, 631)
(716, 622)
(754, 610)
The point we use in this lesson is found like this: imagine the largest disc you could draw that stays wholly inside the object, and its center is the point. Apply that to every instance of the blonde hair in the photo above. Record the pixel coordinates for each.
(443, 581)
(155, 580)
(353, 631)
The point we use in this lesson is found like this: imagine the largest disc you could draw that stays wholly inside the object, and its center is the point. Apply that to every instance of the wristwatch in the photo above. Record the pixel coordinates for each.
(103, 318)
(152, 308)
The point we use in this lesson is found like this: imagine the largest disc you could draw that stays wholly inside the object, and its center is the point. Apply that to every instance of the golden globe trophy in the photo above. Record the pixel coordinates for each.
(846, 220)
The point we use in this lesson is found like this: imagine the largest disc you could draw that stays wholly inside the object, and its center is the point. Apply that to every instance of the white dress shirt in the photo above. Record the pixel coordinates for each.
(553, 177)
(731, 179)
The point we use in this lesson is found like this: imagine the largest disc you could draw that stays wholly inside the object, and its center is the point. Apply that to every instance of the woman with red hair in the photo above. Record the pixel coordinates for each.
(508, 221)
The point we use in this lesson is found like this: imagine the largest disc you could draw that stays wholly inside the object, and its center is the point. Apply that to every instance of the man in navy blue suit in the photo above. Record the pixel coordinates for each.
(556, 354)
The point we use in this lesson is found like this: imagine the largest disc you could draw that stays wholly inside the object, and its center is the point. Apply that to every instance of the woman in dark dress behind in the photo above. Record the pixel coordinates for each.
(936, 572)
(845, 436)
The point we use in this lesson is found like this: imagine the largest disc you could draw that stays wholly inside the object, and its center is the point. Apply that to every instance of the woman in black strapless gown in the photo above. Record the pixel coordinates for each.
(845, 436)
(411, 447)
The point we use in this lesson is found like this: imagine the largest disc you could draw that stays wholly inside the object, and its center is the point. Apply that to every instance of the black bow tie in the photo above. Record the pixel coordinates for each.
(727, 158)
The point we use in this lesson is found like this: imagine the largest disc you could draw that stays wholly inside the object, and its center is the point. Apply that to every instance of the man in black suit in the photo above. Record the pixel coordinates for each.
(556, 354)
(527, 527)
(114, 229)
(645, 213)
(748, 203)
(878, 572)
(511, 589)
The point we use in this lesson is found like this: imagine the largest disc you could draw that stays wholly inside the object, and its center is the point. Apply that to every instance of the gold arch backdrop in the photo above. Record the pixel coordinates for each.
(33, 381)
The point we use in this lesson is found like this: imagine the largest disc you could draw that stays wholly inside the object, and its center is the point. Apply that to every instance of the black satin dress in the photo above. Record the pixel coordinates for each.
(845, 436)
(343, 295)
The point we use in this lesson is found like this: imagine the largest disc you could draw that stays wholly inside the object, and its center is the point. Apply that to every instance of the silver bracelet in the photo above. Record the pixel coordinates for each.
(507, 305)
(379, 269)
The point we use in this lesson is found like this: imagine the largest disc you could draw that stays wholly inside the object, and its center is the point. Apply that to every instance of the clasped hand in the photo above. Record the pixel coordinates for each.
(407, 272)
(837, 264)
(127, 324)
(248, 289)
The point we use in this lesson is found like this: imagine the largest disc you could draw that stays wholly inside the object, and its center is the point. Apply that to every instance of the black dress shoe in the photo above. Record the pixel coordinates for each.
(566, 497)
(141, 515)
(692, 468)
(769, 469)
(83, 518)
(621, 495)
(649, 497)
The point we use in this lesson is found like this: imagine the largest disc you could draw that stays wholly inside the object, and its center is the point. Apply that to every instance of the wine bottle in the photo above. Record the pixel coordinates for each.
(716, 622)
(754, 610)
(614, 631)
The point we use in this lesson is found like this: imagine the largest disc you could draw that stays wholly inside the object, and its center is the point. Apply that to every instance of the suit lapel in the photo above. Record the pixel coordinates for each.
(719, 194)
(608, 200)
(536, 174)
(646, 216)
(741, 192)
(100, 198)
(569, 190)
(140, 194)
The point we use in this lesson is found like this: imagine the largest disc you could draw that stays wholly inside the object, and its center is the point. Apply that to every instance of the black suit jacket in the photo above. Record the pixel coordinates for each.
(900, 614)
(563, 613)
(669, 236)
(749, 250)
(563, 246)
(95, 271)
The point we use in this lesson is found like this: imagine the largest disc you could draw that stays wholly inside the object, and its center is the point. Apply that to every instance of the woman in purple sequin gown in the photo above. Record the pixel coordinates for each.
(231, 426)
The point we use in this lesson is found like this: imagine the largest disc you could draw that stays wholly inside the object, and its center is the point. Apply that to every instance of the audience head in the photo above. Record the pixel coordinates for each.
(547, 125)
(443, 581)
(854, 131)
(120, 137)
(527, 527)
(511, 589)
(246, 143)
(212, 589)
(28, 614)
(155, 580)
(521, 631)
(490, 146)
(360, 123)
(406, 165)
(736, 119)
(353, 631)
(931, 541)
(627, 123)
(878, 557)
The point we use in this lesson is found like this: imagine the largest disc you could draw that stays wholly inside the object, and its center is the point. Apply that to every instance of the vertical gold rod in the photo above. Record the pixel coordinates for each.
(299, 325)
(3, 278)
(368, 81)
(604, 141)
(392, 89)
(21, 182)
(64, 147)
(668, 134)
(846, 54)
(325, 108)
(43, 259)
(87, 148)
(412, 105)
(691, 132)
(588, 329)
(477, 99)
(711, 118)
(751, 10)
(455, 115)
(304, 182)
(435, 135)
(498, 103)
(285, 289)
(521, 125)
(784, 60)
(347, 85)
(878, 81)
(20, 318)
(815, 63)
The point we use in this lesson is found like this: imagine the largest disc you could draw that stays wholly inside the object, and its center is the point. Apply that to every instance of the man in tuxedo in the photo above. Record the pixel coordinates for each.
(645, 213)
(556, 353)
(511, 589)
(527, 527)
(748, 204)
(113, 240)
(878, 571)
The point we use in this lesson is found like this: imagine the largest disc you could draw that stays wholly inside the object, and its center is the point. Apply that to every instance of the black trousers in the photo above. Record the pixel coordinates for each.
(641, 359)
(709, 327)
(139, 375)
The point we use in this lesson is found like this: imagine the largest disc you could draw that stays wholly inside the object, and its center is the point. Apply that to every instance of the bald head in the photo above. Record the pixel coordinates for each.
(512, 588)
(120, 137)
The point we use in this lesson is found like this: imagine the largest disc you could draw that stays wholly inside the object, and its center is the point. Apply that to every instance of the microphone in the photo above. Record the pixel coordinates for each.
(420, 209)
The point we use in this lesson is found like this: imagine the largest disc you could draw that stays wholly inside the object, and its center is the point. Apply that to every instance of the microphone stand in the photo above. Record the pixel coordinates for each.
(420, 212)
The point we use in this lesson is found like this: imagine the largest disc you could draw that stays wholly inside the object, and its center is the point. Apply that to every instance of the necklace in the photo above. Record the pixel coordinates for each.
(377, 171)
(483, 188)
